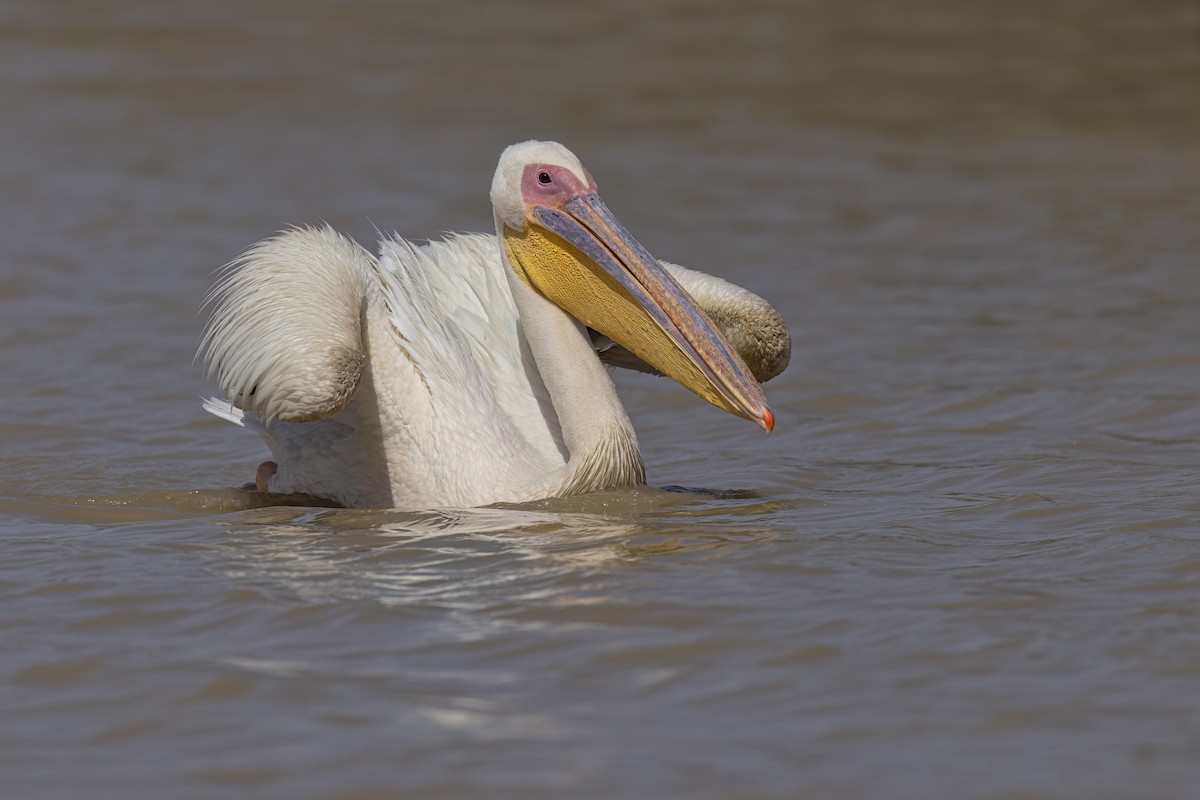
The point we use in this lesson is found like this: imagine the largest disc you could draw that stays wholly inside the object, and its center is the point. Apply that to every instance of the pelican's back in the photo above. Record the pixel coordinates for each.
(447, 407)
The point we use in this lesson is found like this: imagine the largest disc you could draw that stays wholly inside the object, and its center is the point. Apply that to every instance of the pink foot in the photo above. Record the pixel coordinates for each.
(264, 473)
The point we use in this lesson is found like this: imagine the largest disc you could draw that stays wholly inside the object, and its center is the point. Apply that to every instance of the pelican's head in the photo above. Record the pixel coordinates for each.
(564, 243)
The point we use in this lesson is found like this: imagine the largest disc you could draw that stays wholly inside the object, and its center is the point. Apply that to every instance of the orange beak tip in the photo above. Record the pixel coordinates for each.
(768, 420)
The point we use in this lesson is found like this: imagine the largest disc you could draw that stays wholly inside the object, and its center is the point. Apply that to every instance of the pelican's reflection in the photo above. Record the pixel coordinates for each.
(478, 557)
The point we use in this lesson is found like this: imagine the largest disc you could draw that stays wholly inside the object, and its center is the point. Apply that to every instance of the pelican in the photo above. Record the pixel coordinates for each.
(472, 370)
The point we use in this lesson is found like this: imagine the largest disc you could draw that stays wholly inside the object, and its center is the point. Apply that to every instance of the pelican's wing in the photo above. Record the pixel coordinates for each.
(284, 340)
(752, 326)
(457, 324)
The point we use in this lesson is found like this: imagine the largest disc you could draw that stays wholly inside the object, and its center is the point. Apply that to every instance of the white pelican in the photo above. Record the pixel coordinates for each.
(469, 371)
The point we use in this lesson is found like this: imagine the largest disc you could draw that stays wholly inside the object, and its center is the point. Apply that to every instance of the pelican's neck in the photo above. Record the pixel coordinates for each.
(602, 448)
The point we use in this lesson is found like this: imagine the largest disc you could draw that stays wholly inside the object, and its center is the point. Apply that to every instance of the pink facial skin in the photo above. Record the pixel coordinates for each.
(553, 185)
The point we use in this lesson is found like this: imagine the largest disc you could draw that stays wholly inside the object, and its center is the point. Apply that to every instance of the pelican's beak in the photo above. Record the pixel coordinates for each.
(583, 260)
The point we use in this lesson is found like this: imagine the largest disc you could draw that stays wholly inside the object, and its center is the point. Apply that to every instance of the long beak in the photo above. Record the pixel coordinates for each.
(583, 260)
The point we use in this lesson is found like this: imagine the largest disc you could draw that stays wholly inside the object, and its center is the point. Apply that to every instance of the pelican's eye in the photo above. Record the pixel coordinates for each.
(544, 178)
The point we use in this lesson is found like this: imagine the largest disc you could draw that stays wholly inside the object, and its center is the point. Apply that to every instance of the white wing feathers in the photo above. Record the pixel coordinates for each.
(422, 300)
(455, 319)
(284, 340)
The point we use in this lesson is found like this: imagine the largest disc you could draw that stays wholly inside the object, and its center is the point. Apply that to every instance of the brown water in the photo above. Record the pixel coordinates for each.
(967, 564)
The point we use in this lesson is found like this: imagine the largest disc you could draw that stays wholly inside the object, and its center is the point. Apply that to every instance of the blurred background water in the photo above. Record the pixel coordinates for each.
(967, 564)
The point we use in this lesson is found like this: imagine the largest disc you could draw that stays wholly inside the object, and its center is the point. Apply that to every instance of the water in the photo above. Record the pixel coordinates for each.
(967, 564)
